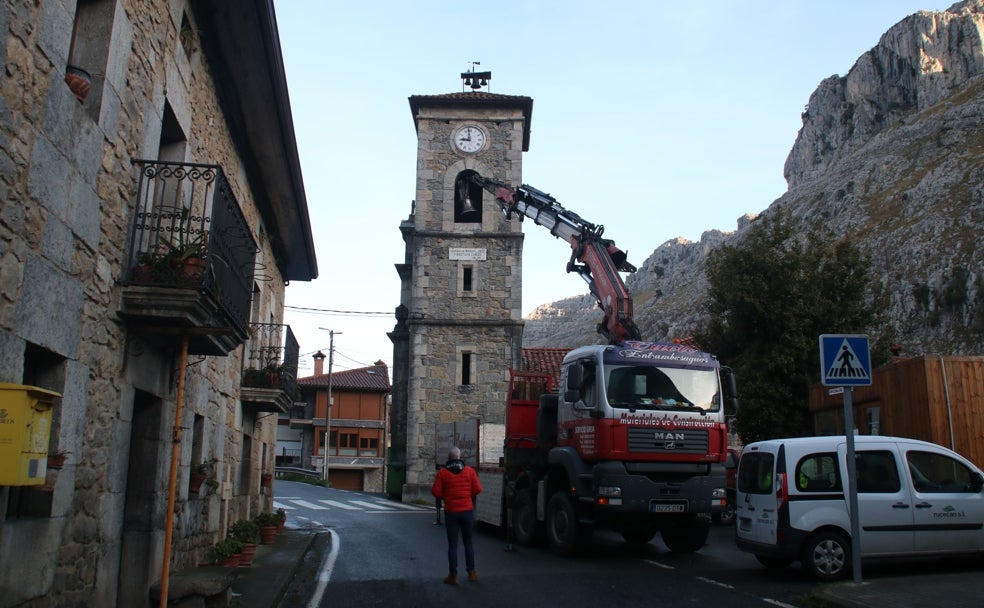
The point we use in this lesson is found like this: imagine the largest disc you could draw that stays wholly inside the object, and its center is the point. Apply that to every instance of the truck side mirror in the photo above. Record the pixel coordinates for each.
(730, 391)
(575, 376)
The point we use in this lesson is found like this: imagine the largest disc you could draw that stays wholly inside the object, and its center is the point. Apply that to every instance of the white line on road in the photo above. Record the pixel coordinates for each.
(324, 573)
(400, 505)
(308, 505)
(659, 565)
(280, 505)
(777, 603)
(372, 505)
(340, 505)
(711, 581)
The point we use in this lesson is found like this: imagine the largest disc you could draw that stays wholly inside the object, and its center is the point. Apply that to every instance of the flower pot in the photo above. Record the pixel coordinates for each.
(79, 81)
(268, 534)
(232, 561)
(266, 480)
(195, 482)
(142, 274)
(249, 552)
(56, 461)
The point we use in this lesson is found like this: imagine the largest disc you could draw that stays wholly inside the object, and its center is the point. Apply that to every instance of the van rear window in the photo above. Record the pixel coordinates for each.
(818, 473)
(755, 472)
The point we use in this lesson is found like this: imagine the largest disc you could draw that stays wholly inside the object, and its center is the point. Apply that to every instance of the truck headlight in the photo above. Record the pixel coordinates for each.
(609, 491)
(719, 493)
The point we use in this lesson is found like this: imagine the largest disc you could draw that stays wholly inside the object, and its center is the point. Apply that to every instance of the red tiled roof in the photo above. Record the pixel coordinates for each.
(366, 379)
(545, 360)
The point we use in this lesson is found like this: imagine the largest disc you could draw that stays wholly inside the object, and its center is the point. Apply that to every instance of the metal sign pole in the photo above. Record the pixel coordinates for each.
(852, 482)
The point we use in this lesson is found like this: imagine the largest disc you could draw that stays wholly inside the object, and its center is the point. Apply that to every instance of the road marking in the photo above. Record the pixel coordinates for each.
(372, 505)
(711, 581)
(660, 565)
(308, 505)
(340, 505)
(400, 505)
(324, 572)
(285, 507)
(777, 603)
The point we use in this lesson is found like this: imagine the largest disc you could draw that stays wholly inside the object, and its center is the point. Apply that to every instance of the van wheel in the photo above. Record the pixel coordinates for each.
(525, 525)
(774, 564)
(827, 556)
(564, 532)
(685, 536)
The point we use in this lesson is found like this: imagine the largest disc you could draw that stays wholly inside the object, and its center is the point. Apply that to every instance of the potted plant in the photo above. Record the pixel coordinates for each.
(246, 531)
(281, 519)
(269, 524)
(226, 552)
(200, 473)
(143, 272)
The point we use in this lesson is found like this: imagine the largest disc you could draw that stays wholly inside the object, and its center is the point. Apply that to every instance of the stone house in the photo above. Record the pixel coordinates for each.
(153, 212)
(355, 424)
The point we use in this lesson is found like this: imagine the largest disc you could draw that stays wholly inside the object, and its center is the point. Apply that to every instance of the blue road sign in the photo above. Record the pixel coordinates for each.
(845, 360)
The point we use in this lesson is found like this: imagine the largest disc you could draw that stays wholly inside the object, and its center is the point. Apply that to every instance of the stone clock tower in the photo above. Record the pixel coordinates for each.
(459, 324)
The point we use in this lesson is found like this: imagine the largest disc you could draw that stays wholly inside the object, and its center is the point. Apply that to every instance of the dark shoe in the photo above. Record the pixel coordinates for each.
(451, 579)
(473, 576)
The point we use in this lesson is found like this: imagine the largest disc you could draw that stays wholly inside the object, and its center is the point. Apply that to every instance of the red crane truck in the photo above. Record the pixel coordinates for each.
(630, 439)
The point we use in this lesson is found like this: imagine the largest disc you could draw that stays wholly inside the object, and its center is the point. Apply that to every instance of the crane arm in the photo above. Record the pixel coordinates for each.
(595, 259)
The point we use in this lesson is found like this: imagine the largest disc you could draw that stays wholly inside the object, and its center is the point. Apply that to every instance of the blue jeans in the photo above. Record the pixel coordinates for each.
(454, 523)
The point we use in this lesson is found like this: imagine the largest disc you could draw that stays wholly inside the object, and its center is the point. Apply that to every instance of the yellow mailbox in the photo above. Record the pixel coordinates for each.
(25, 426)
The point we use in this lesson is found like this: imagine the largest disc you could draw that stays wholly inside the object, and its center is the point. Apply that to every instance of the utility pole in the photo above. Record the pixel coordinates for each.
(331, 357)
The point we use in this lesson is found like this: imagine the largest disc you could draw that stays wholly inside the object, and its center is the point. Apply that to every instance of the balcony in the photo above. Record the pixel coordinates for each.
(270, 378)
(189, 269)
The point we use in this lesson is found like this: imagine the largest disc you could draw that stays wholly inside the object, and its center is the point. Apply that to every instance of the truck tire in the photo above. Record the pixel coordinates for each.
(827, 556)
(525, 526)
(564, 532)
(685, 536)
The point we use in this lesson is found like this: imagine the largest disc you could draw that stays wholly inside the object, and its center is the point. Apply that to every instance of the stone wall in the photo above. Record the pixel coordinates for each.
(68, 185)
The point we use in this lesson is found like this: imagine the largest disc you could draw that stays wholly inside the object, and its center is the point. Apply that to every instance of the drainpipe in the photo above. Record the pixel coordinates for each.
(949, 409)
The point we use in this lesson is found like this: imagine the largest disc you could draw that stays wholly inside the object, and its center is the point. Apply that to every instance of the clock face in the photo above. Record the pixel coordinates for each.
(469, 139)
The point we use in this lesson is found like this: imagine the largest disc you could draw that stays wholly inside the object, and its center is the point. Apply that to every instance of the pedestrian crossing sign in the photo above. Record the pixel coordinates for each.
(845, 360)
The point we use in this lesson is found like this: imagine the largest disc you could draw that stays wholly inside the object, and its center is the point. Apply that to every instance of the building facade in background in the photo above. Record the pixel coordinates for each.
(153, 212)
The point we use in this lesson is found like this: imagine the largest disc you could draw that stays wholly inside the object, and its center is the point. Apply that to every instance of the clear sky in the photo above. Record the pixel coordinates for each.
(656, 119)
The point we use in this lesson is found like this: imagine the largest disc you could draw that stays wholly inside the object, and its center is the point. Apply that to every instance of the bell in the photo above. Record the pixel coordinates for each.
(467, 211)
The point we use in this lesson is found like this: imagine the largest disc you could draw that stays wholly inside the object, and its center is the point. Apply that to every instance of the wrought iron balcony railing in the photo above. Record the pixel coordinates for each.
(272, 354)
(189, 233)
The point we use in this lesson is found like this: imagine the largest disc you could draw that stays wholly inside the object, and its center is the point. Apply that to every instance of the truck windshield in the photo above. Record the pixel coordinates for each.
(667, 388)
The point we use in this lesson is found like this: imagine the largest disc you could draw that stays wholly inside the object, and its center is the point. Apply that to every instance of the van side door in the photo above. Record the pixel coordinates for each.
(949, 513)
(884, 503)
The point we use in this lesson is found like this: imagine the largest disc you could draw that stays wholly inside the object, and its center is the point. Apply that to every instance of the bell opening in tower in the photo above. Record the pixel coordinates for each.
(467, 200)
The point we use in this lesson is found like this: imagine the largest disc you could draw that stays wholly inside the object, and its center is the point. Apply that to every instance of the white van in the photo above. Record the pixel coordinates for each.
(914, 498)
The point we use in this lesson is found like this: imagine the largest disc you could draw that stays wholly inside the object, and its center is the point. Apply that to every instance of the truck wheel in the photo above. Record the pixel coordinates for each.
(564, 533)
(525, 525)
(827, 556)
(685, 537)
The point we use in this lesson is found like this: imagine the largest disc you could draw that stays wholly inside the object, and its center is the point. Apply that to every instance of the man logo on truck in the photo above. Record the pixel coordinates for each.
(669, 437)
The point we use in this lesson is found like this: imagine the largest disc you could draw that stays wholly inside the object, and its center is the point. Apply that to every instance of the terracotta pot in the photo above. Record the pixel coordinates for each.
(79, 81)
(141, 274)
(266, 480)
(249, 552)
(232, 561)
(195, 482)
(268, 534)
(56, 461)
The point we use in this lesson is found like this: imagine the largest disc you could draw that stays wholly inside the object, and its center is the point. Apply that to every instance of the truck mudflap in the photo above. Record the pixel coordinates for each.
(640, 494)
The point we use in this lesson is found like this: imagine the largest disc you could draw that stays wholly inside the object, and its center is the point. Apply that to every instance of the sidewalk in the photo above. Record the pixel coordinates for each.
(265, 583)
(957, 590)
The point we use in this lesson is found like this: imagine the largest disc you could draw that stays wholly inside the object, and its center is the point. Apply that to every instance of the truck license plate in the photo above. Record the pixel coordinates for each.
(667, 507)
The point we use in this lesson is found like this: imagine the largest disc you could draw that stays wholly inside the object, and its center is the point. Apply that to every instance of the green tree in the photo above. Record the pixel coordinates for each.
(770, 298)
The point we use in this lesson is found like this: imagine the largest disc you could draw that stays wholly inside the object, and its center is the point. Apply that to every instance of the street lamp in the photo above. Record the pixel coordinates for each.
(331, 357)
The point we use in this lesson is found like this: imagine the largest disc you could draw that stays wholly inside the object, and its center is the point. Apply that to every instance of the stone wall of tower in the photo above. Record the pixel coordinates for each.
(445, 320)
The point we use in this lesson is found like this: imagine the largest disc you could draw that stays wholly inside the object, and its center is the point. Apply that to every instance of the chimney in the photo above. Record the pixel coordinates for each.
(319, 363)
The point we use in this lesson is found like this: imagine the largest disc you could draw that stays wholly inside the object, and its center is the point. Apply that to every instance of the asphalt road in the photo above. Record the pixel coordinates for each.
(391, 554)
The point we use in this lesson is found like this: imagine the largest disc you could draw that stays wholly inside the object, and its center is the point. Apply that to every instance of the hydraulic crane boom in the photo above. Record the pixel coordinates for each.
(600, 260)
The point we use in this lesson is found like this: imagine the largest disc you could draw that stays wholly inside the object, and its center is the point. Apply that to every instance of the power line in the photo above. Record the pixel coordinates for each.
(328, 311)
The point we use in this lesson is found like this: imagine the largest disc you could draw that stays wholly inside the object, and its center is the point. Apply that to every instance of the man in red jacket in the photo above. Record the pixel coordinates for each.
(457, 485)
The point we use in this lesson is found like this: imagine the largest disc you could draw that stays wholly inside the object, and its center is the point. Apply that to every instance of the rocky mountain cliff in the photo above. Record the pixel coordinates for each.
(890, 155)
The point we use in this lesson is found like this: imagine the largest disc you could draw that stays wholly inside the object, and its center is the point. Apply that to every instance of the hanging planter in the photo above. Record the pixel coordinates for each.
(79, 81)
